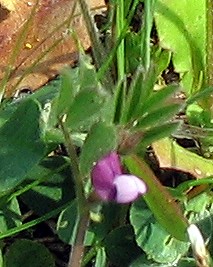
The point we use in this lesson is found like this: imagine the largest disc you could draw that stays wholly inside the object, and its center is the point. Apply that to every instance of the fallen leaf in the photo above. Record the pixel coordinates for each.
(44, 44)
(173, 156)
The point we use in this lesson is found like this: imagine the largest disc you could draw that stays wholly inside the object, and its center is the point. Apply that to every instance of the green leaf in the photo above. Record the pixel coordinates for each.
(68, 90)
(121, 247)
(46, 93)
(189, 262)
(143, 261)
(21, 145)
(201, 95)
(161, 59)
(181, 27)
(85, 109)
(133, 50)
(54, 188)
(161, 203)
(133, 96)
(157, 133)
(1, 259)
(67, 223)
(200, 212)
(200, 204)
(152, 237)
(87, 73)
(157, 117)
(141, 88)
(96, 232)
(10, 216)
(157, 99)
(25, 253)
(101, 140)
(101, 258)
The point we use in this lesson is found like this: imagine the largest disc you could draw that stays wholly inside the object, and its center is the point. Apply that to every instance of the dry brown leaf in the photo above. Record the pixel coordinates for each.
(40, 36)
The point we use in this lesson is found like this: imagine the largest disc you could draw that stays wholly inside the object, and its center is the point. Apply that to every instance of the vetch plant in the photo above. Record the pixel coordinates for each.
(51, 139)
(111, 184)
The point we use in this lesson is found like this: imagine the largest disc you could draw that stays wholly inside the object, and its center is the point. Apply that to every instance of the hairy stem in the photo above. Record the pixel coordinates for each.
(77, 251)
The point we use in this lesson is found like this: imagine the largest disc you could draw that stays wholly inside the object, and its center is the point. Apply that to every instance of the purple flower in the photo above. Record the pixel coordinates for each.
(112, 185)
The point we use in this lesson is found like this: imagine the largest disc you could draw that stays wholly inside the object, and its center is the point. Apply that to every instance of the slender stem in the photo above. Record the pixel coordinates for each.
(96, 44)
(77, 251)
(110, 57)
(209, 42)
(32, 223)
(97, 47)
(79, 188)
(120, 23)
(208, 103)
(148, 20)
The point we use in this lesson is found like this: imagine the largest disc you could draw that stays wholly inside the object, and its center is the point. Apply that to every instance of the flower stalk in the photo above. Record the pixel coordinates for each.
(77, 251)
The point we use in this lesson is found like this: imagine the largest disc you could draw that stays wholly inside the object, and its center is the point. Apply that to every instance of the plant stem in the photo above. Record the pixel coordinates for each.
(148, 20)
(77, 251)
(209, 42)
(110, 57)
(96, 44)
(120, 23)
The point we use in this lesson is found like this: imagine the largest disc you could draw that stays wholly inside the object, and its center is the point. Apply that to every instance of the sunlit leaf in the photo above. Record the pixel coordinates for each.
(181, 27)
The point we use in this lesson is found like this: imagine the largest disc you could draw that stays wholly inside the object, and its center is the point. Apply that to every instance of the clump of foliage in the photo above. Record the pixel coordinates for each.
(114, 101)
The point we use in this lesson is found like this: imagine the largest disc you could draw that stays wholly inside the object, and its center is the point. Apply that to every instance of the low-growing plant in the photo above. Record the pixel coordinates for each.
(76, 151)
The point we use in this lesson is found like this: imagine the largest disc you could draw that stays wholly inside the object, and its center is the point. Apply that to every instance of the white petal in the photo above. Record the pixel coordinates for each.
(128, 188)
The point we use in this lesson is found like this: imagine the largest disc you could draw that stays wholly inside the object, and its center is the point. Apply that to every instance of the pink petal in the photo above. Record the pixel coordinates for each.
(115, 163)
(103, 175)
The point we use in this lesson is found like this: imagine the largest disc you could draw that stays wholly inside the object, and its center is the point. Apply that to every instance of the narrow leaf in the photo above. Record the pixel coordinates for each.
(158, 99)
(159, 116)
(161, 203)
(157, 133)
